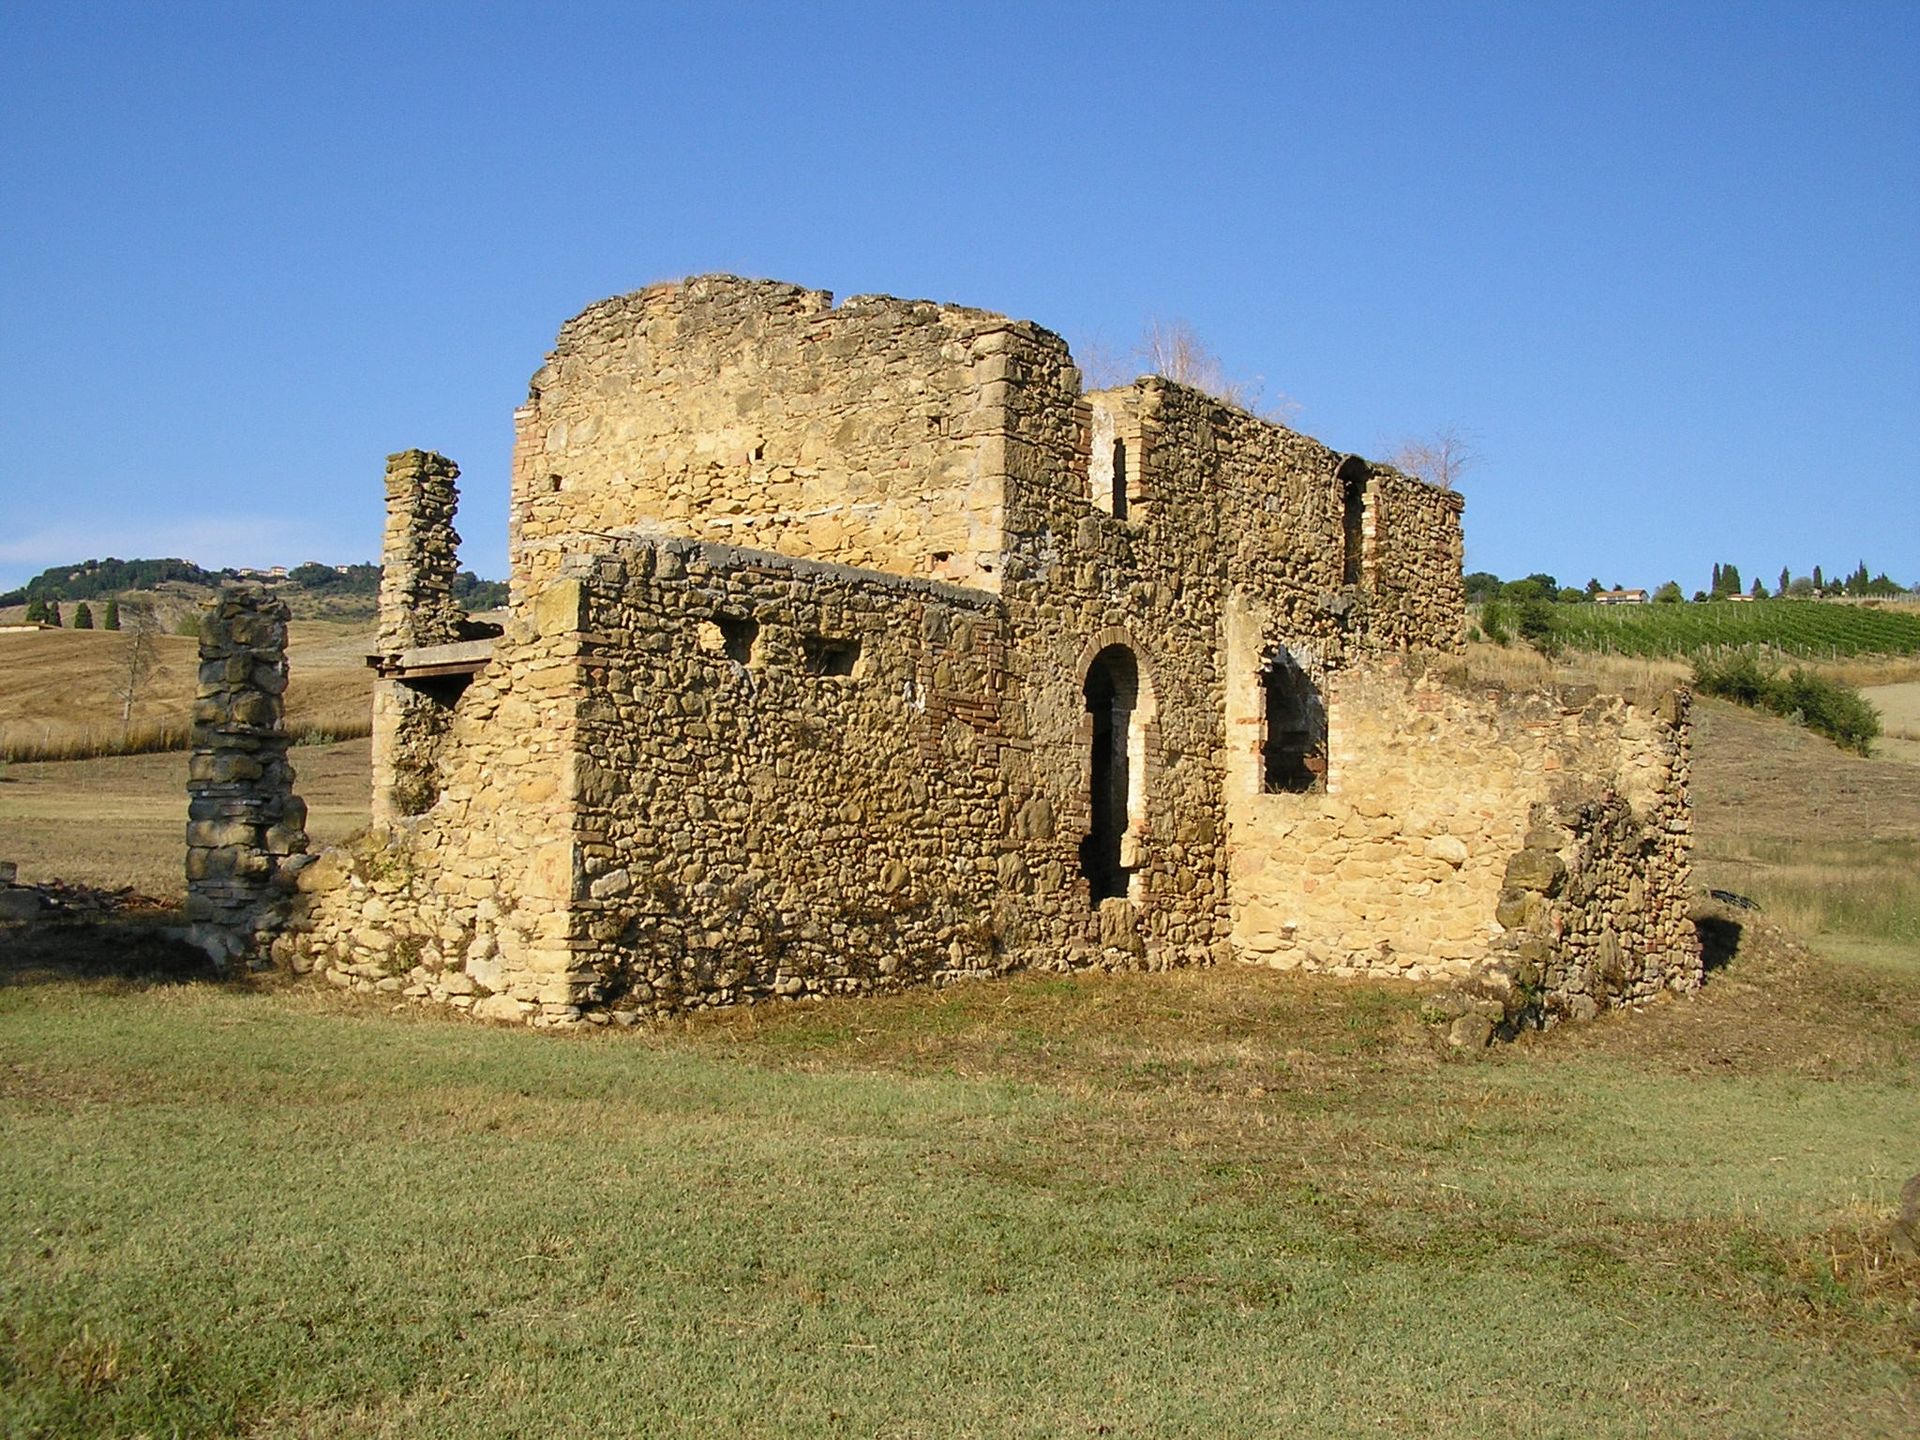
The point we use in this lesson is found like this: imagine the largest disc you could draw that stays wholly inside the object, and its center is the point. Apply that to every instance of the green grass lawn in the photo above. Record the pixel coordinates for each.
(1221, 1203)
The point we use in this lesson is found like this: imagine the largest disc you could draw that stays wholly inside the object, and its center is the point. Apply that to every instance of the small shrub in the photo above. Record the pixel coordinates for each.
(1745, 677)
(1827, 707)
(1534, 621)
(1831, 708)
(1494, 620)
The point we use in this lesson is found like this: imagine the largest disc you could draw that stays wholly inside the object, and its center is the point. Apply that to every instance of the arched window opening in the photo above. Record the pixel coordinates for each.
(1112, 693)
(1353, 517)
(1293, 749)
(1119, 506)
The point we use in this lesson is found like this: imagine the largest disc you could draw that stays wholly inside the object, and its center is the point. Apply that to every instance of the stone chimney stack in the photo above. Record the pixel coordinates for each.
(420, 555)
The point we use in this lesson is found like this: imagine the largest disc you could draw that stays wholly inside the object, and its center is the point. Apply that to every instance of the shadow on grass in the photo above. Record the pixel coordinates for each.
(141, 950)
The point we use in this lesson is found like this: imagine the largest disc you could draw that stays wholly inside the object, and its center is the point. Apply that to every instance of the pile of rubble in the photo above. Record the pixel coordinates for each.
(65, 900)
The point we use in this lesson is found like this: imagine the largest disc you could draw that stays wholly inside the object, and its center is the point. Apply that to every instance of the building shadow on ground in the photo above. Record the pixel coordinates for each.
(141, 950)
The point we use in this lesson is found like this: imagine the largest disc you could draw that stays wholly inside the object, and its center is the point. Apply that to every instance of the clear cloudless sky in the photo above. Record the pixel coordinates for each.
(1661, 261)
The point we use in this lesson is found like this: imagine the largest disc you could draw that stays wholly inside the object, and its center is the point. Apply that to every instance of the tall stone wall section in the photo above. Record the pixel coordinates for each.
(420, 553)
(759, 414)
(246, 837)
(469, 900)
(694, 775)
(789, 778)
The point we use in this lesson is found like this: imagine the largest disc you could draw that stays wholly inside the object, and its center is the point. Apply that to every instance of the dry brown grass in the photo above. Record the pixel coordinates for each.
(122, 820)
(63, 692)
(1519, 667)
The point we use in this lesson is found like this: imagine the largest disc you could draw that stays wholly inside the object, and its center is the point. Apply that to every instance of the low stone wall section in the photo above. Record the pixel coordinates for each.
(1414, 859)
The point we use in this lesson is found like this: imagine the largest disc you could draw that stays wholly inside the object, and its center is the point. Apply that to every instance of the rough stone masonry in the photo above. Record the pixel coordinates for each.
(246, 837)
(854, 646)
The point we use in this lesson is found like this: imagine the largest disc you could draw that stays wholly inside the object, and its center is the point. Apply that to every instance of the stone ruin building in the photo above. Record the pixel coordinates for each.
(856, 646)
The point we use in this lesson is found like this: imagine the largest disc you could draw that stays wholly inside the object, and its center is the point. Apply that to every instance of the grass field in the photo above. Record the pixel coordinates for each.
(1219, 1203)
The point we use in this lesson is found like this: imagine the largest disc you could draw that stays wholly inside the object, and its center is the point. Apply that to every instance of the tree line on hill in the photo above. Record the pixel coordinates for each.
(1483, 586)
(94, 579)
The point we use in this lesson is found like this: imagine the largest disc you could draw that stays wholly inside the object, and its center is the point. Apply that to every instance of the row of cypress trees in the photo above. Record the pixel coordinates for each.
(47, 612)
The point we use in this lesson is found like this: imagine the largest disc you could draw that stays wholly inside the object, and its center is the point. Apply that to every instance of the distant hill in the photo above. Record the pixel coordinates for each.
(310, 589)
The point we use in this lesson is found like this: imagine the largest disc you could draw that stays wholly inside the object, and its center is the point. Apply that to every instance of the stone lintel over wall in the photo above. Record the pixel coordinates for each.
(245, 827)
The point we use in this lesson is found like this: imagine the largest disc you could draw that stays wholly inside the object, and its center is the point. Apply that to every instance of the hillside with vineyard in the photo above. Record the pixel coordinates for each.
(1803, 629)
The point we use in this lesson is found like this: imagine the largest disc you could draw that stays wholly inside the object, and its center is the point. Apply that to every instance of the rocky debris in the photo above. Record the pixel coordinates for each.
(1906, 1225)
(66, 900)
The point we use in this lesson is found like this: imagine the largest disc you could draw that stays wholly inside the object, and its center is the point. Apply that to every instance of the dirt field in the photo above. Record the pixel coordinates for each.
(122, 820)
(1899, 707)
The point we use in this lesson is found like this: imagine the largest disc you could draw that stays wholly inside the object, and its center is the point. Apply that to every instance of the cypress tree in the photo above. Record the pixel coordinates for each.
(113, 613)
(36, 611)
(83, 616)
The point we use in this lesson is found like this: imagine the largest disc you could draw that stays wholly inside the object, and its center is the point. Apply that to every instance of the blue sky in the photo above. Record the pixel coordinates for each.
(1662, 262)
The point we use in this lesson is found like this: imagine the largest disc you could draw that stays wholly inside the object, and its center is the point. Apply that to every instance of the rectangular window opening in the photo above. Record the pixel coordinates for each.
(827, 655)
(1293, 751)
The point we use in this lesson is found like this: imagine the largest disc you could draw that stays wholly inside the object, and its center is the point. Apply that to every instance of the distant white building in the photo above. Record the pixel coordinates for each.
(1621, 597)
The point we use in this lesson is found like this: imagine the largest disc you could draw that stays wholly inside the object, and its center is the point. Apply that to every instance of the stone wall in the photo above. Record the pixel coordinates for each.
(471, 895)
(1441, 806)
(246, 837)
(695, 775)
(1594, 905)
(789, 777)
(419, 617)
(759, 414)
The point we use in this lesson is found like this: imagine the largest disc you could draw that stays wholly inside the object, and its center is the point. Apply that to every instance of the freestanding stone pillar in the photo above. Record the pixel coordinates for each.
(246, 835)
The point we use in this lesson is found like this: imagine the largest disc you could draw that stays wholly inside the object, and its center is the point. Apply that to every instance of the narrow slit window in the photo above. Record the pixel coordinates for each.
(1119, 480)
(1353, 520)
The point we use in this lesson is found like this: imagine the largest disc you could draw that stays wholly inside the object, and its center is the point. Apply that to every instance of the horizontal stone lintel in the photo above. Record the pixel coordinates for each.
(462, 657)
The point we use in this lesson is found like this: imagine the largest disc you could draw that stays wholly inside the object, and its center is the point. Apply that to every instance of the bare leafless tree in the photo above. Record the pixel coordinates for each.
(139, 669)
(1439, 459)
(1174, 350)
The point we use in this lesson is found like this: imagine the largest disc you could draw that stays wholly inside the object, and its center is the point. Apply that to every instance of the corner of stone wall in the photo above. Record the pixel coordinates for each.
(246, 837)
(1594, 907)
